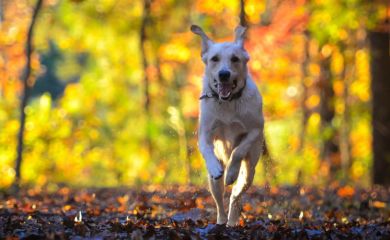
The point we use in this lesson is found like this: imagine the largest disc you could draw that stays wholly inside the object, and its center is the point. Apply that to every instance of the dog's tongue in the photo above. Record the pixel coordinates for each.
(224, 89)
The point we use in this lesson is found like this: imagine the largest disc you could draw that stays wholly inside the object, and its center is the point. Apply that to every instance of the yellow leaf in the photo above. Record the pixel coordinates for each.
(378, 204)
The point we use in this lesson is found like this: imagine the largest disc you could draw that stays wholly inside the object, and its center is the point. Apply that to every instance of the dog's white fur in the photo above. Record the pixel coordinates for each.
(230, 132)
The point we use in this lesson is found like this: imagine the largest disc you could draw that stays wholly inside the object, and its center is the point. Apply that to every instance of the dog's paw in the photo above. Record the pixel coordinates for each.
(233, 167)
(232, 172)
(215, 169)
(231, 177)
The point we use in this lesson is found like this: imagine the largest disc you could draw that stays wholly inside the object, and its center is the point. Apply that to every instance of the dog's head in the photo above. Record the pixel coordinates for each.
(226, 69)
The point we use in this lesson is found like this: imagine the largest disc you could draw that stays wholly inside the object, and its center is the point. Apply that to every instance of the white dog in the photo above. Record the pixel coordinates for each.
(231, 121)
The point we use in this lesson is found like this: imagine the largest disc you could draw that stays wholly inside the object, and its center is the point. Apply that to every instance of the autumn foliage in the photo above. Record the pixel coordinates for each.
(95, 66)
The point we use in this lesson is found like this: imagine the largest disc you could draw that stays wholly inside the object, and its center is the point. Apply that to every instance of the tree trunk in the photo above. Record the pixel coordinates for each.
(304, 90)
(2, 81)
(329, 150)
(1, 11)
(302, 101)
(243, 21)
(380, 87)
(345, 144)
(25, 96)
(146, 81)
(184, 157)
(2, 54)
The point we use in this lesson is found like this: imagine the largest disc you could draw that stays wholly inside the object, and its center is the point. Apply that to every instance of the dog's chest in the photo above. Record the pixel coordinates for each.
(229, 113)
(229, 121)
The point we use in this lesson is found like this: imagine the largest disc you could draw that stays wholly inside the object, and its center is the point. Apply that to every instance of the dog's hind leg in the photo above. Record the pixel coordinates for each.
(217, 190)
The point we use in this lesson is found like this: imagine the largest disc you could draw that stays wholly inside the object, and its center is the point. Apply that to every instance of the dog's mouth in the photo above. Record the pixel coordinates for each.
(225, 89)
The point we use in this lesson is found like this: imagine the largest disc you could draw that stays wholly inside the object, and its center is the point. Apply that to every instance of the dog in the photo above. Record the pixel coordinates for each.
(231, 122)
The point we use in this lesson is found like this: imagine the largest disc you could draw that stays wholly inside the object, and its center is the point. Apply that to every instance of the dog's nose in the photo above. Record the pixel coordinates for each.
(223, 75)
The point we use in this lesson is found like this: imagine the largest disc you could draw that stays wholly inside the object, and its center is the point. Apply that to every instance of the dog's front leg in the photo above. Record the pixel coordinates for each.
(240, 152)
(214, 167)
(206, 147)
(215, 170)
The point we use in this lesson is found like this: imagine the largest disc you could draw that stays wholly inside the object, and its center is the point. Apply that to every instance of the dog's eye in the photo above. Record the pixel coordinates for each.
(215, 59)
(235, 59)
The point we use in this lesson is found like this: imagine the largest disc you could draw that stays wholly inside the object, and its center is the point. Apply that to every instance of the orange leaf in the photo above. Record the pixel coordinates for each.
(346, 191)
(247, 207)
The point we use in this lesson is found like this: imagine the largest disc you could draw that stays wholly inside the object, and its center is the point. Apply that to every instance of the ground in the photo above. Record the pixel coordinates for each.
(188, 212)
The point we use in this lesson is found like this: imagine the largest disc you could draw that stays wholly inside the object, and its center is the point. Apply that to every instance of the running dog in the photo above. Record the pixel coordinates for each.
(231, 121)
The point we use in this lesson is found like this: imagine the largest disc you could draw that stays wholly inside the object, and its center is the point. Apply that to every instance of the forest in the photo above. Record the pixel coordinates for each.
(99, 105)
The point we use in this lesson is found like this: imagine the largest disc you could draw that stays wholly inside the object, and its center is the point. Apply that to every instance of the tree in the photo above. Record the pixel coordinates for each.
(347, 75)
(329, 149)
(25, 95)
(380, 87)
(304, 89)
(143, 38)
(333, 24)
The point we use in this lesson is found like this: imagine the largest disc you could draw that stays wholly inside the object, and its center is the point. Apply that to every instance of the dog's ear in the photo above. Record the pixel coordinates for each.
(206, 41)
(240, 35)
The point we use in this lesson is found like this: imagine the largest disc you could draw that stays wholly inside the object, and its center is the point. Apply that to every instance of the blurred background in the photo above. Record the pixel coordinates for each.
(115, 87)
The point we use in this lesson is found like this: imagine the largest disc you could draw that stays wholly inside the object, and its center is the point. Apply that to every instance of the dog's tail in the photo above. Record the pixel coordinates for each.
(232, 170)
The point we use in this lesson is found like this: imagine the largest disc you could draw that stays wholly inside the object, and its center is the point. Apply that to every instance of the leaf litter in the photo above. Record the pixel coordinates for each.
(188, 212)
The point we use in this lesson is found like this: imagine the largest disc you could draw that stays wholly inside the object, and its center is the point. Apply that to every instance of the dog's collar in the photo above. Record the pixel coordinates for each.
(214, 94)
